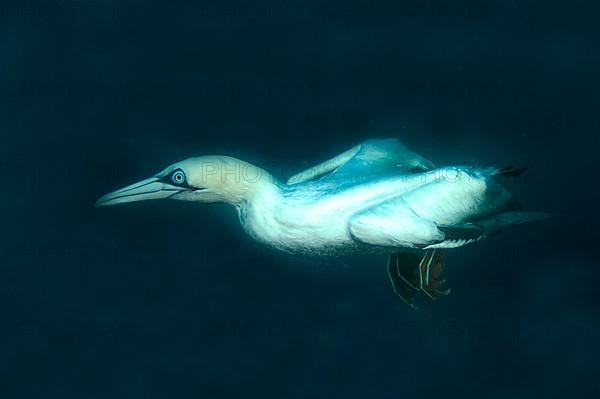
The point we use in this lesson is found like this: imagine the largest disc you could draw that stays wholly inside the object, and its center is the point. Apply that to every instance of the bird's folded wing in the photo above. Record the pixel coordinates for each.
(371, 156)
(392, 223)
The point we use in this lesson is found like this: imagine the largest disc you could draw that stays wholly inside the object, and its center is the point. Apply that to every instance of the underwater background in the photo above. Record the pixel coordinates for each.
(171, 299)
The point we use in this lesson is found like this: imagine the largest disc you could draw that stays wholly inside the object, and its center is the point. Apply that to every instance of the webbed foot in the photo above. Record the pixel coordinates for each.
(410, 274)
(404, 276)
(430, 274)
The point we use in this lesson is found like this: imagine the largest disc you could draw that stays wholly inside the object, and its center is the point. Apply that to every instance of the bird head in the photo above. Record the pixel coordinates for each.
(206, 179)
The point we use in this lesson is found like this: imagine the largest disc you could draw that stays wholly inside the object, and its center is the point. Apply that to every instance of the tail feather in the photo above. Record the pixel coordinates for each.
(507, 171)
(497, 222)
(512, 172)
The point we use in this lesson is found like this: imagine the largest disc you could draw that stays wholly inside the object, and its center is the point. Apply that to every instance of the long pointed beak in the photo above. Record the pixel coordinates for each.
(148, 189)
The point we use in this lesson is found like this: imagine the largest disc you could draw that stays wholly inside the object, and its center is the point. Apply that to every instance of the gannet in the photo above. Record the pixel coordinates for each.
(378, 196)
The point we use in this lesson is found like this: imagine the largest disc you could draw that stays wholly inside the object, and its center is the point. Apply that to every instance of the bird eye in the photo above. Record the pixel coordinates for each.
(178, 177)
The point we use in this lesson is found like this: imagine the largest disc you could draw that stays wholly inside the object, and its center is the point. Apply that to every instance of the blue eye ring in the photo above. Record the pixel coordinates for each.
(178, 177)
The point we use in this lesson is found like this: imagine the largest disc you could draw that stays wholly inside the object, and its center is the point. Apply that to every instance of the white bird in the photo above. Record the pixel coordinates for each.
(379, 196)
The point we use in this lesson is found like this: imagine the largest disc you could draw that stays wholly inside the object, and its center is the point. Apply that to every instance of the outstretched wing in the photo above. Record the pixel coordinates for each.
(371, 156)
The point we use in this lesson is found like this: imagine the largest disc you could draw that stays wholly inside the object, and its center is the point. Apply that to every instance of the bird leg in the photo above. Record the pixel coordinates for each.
(409, 274)
(404, 276)
(430, 272)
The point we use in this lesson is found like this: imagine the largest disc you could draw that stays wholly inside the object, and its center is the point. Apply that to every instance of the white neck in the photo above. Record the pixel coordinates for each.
(260, 208)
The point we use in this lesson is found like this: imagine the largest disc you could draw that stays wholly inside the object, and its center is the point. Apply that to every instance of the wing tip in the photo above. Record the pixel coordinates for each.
(509, 171)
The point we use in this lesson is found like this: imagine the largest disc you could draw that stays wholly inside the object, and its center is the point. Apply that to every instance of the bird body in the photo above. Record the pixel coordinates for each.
(312, 218)
(326, 217)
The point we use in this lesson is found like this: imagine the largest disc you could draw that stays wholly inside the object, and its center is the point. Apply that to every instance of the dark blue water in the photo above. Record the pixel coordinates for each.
(171, 299)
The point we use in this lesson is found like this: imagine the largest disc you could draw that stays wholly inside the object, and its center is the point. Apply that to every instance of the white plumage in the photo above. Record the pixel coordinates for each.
(379, 196)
